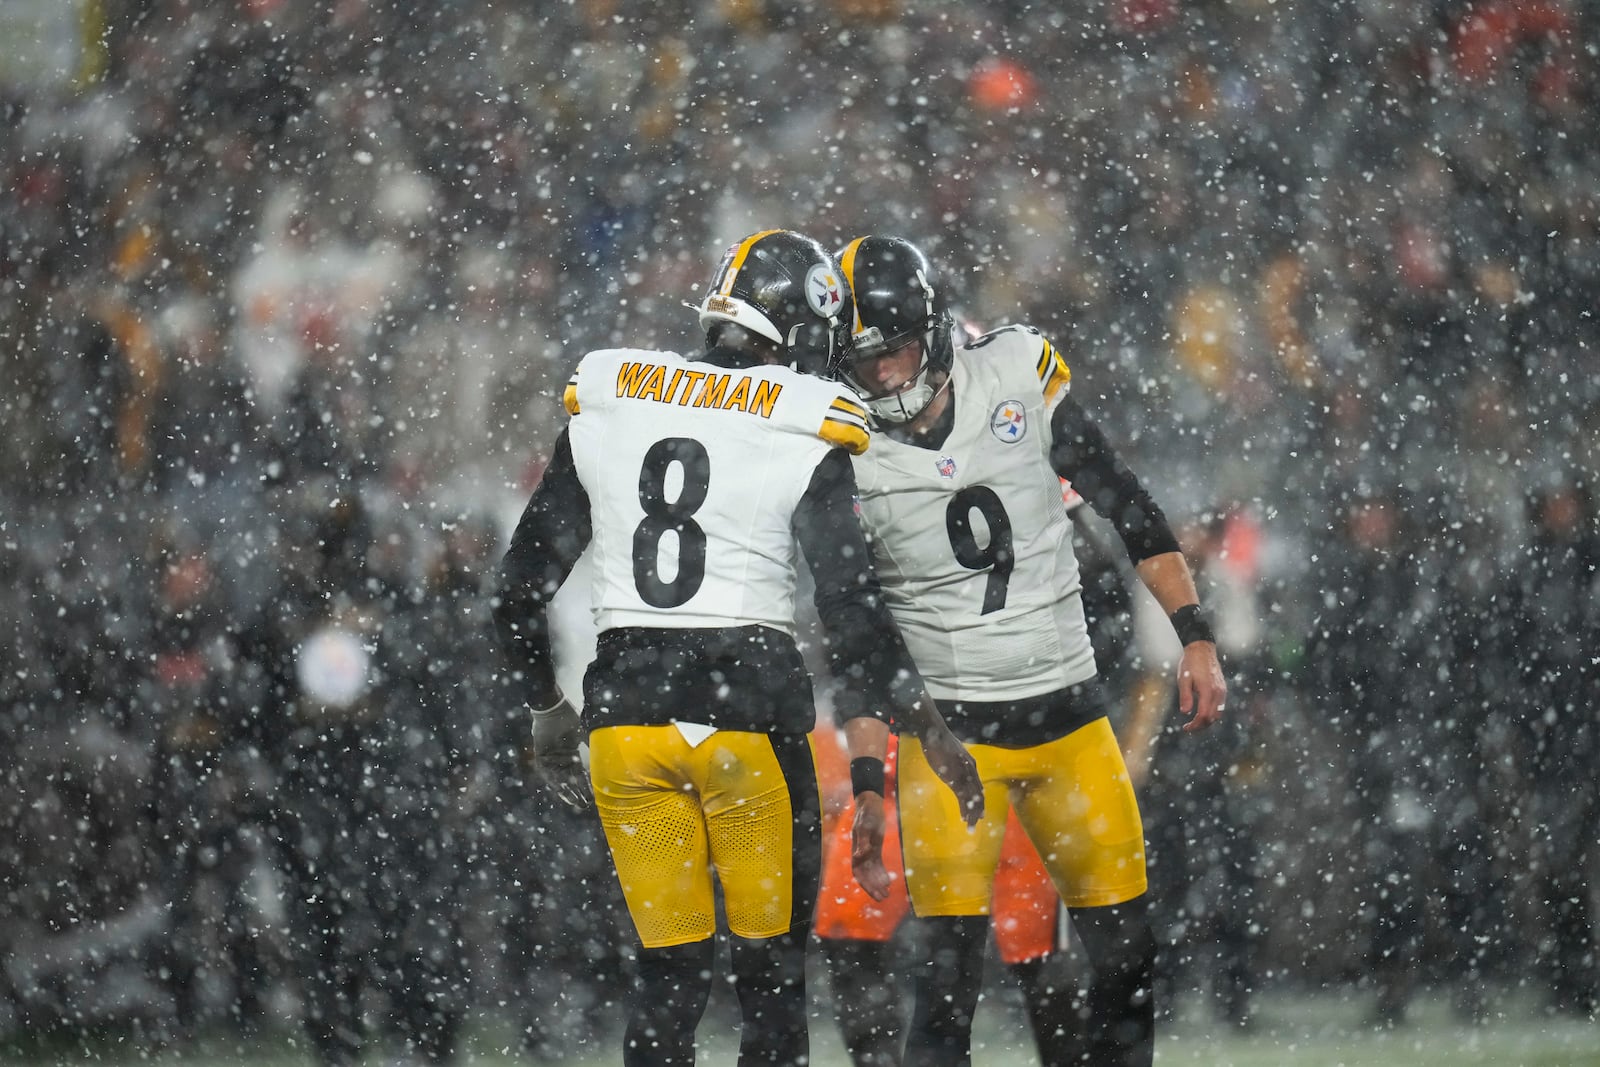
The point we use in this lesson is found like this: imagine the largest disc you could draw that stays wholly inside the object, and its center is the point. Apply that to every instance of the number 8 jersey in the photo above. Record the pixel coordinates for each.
(971, 540)
(693, 473)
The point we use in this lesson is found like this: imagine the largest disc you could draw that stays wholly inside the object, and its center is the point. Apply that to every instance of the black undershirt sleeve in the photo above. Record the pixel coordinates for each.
(551, 535)
(864, 649)
(1080, 453)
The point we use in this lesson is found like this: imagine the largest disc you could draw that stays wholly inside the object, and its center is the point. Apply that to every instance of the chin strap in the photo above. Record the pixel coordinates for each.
(895, 409)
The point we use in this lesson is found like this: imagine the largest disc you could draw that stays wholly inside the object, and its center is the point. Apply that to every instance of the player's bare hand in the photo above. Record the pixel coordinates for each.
(1201, 688)
(955, 766)
(556, 735)
(866, 846)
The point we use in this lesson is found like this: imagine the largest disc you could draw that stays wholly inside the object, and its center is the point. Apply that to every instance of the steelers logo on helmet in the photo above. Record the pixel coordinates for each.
(825, 291)
(785, 287)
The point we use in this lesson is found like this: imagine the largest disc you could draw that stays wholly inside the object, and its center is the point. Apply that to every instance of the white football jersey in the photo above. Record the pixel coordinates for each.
(693, 473)
(971, 540)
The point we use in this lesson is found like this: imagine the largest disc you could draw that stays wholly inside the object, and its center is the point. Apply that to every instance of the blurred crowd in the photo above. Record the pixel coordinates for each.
(288, 291)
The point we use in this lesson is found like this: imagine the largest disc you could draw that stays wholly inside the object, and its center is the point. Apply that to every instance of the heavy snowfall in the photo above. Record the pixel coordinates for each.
(289, 291)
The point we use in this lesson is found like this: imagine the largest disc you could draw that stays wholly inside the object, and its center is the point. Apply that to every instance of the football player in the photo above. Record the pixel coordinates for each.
(858, 934)
(694, 480)
(962, 504)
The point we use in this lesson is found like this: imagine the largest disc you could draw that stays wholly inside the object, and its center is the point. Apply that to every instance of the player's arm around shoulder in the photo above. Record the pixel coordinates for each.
(843, 421)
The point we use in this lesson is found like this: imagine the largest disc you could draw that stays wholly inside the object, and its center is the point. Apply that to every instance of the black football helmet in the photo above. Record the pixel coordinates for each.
(896, 302)
(786, 288)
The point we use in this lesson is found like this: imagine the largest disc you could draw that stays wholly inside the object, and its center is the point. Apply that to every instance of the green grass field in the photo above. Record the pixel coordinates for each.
(1314, 1031)
(1326, 1030)
(1318, 1031)
(1332, 1031)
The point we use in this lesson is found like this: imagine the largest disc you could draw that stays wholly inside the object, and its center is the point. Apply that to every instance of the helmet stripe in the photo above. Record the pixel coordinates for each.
(739, 255)
(847, 263)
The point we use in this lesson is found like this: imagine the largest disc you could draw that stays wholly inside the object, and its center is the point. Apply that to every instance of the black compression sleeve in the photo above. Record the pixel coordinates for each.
(864, 648)
(550, 536)
(1080, 453)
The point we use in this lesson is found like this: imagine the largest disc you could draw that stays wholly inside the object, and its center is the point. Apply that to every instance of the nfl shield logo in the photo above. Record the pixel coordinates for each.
(947, 467)
(1009, 422)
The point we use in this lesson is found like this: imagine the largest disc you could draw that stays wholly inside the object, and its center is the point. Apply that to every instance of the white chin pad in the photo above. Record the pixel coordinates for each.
(903, 406)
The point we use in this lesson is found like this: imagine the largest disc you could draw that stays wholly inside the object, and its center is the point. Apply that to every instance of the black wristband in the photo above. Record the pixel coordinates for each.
(866, 775)
(1191, 625)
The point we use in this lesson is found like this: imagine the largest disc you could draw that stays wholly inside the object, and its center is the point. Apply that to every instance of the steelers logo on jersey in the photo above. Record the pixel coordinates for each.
(1009, 422)
(824, 291)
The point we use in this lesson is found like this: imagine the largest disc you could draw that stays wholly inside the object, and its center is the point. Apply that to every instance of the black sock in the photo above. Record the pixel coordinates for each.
(1049, 996)
(771, 982)
(672, 989)
(948, 983)
(1119, 1030)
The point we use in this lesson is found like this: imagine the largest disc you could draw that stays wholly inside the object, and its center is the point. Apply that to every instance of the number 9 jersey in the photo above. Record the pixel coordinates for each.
(970, 539)
(694, 472)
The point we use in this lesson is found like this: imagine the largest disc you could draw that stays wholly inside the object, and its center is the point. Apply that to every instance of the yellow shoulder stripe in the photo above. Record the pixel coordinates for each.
(845, 425)
(848, 407)
(841, 433)
(1054, 374)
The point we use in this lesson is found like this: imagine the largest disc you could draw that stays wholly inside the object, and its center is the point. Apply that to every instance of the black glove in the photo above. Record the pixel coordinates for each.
(556, 733)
